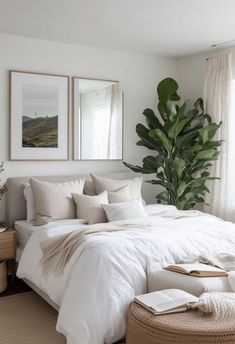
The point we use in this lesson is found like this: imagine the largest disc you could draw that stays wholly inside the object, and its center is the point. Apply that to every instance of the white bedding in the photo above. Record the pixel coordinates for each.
(108, 270)
(24, 230)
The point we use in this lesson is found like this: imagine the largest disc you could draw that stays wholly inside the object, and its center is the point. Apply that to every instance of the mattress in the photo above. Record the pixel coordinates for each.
(25, 229)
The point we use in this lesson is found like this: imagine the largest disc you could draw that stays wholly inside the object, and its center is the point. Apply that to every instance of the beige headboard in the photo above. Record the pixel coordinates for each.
(15, 201)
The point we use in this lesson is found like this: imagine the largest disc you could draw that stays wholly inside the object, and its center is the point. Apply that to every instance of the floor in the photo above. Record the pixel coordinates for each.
(25, 318)
(16, 287)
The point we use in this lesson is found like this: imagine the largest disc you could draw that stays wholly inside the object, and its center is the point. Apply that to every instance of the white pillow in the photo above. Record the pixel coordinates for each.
(30, 205)
(89, 207)
(125, 210)
(102, 184)
(155, 209)
(120, 195)
(53, 201)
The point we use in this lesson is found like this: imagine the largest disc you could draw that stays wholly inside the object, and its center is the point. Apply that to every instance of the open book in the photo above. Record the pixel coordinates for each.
(166, 301)
(197, 270)
(2, 228)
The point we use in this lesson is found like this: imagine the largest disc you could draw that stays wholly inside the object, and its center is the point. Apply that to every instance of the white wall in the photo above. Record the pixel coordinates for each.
(190, 76)
(138, 74)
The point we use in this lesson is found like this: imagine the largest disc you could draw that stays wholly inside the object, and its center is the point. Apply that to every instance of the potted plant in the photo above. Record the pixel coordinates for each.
(183, 148)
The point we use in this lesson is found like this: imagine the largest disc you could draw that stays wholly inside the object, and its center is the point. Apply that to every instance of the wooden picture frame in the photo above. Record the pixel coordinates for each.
(39, 116)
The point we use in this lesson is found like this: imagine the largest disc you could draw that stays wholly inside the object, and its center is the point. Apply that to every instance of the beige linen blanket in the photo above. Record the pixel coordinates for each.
(58, 250)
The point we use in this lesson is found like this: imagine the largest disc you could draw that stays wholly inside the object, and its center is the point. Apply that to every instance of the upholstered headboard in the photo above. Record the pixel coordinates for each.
(15, 201)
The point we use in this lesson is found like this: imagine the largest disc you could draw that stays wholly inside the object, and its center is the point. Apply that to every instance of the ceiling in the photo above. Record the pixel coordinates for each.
(162, 27)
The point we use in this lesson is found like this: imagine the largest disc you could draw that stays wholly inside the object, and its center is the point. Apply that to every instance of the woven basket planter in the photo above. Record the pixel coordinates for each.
(3, 276)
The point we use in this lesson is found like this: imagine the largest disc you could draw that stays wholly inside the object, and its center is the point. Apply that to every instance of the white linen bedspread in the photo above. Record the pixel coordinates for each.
(108, 270)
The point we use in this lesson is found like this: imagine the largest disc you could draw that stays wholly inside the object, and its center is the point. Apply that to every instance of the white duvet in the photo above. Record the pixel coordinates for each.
(108, 270)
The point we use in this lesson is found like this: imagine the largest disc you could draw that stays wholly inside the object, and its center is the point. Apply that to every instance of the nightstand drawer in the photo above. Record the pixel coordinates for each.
(6, 240)
(7, 253)
(8, 244)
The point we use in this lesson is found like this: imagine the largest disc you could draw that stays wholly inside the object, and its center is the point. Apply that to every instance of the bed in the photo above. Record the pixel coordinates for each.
(105, 273)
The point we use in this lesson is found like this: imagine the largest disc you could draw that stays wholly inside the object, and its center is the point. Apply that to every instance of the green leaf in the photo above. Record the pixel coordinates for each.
(198, 105)
(150, 163)
(138, 169)
(171, 110)
(180, 166)
(206, 154)
(162, 110)
(163, 196)
(189, 195)
(204, 135)
(181, 189)
(208, 132)
(181, 111)
(143, 134)
(155, 182)
(157, 133)
(177, 128)
(167, 90)
(152, 120)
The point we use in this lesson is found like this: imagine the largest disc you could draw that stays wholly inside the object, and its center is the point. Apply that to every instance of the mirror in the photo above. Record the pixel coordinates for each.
(97, 119)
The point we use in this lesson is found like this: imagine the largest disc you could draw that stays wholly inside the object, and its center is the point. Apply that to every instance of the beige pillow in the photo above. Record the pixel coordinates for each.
(120, 195)
(89, 207)
(54, 201)
(89, 188)
(101, 184)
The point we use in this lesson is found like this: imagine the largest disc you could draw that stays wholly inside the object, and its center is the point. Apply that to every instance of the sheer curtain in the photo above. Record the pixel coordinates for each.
(101, 123)
(218, 104)
(115, 124)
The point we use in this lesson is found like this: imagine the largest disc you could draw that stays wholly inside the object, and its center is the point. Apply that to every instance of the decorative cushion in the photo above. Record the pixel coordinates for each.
(125, 210)
(89, 188)
(53, 201)
(89, 207)
(30, 205)
(102, 184)
(120, 195)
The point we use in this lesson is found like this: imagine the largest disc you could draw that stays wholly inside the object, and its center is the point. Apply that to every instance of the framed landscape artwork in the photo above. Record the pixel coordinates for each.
(38, 116)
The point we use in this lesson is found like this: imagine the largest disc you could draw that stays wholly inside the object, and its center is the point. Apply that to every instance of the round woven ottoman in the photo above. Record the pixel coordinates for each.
(189, 327)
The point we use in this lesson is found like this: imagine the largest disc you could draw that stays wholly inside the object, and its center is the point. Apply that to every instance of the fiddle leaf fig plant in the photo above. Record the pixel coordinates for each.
(183, 148)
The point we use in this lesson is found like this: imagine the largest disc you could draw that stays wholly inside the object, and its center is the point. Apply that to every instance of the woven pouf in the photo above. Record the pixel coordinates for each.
(189, 327)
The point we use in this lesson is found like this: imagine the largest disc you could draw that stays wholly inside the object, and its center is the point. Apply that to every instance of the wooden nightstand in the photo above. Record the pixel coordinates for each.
(8, 249)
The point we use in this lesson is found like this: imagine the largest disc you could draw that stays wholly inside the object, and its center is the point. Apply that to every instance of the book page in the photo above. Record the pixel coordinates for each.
(194, 267)
(167, 299)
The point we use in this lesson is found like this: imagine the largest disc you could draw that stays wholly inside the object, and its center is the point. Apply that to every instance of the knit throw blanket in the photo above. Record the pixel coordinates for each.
(57, 251)
(220, 306)
(223, 261)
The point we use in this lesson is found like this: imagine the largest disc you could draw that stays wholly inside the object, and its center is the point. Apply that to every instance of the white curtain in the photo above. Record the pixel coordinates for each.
(217, 98)
(115, 125)
(101, 123)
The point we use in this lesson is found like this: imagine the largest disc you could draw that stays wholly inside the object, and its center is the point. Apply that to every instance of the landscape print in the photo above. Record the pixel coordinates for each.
(40, 116)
